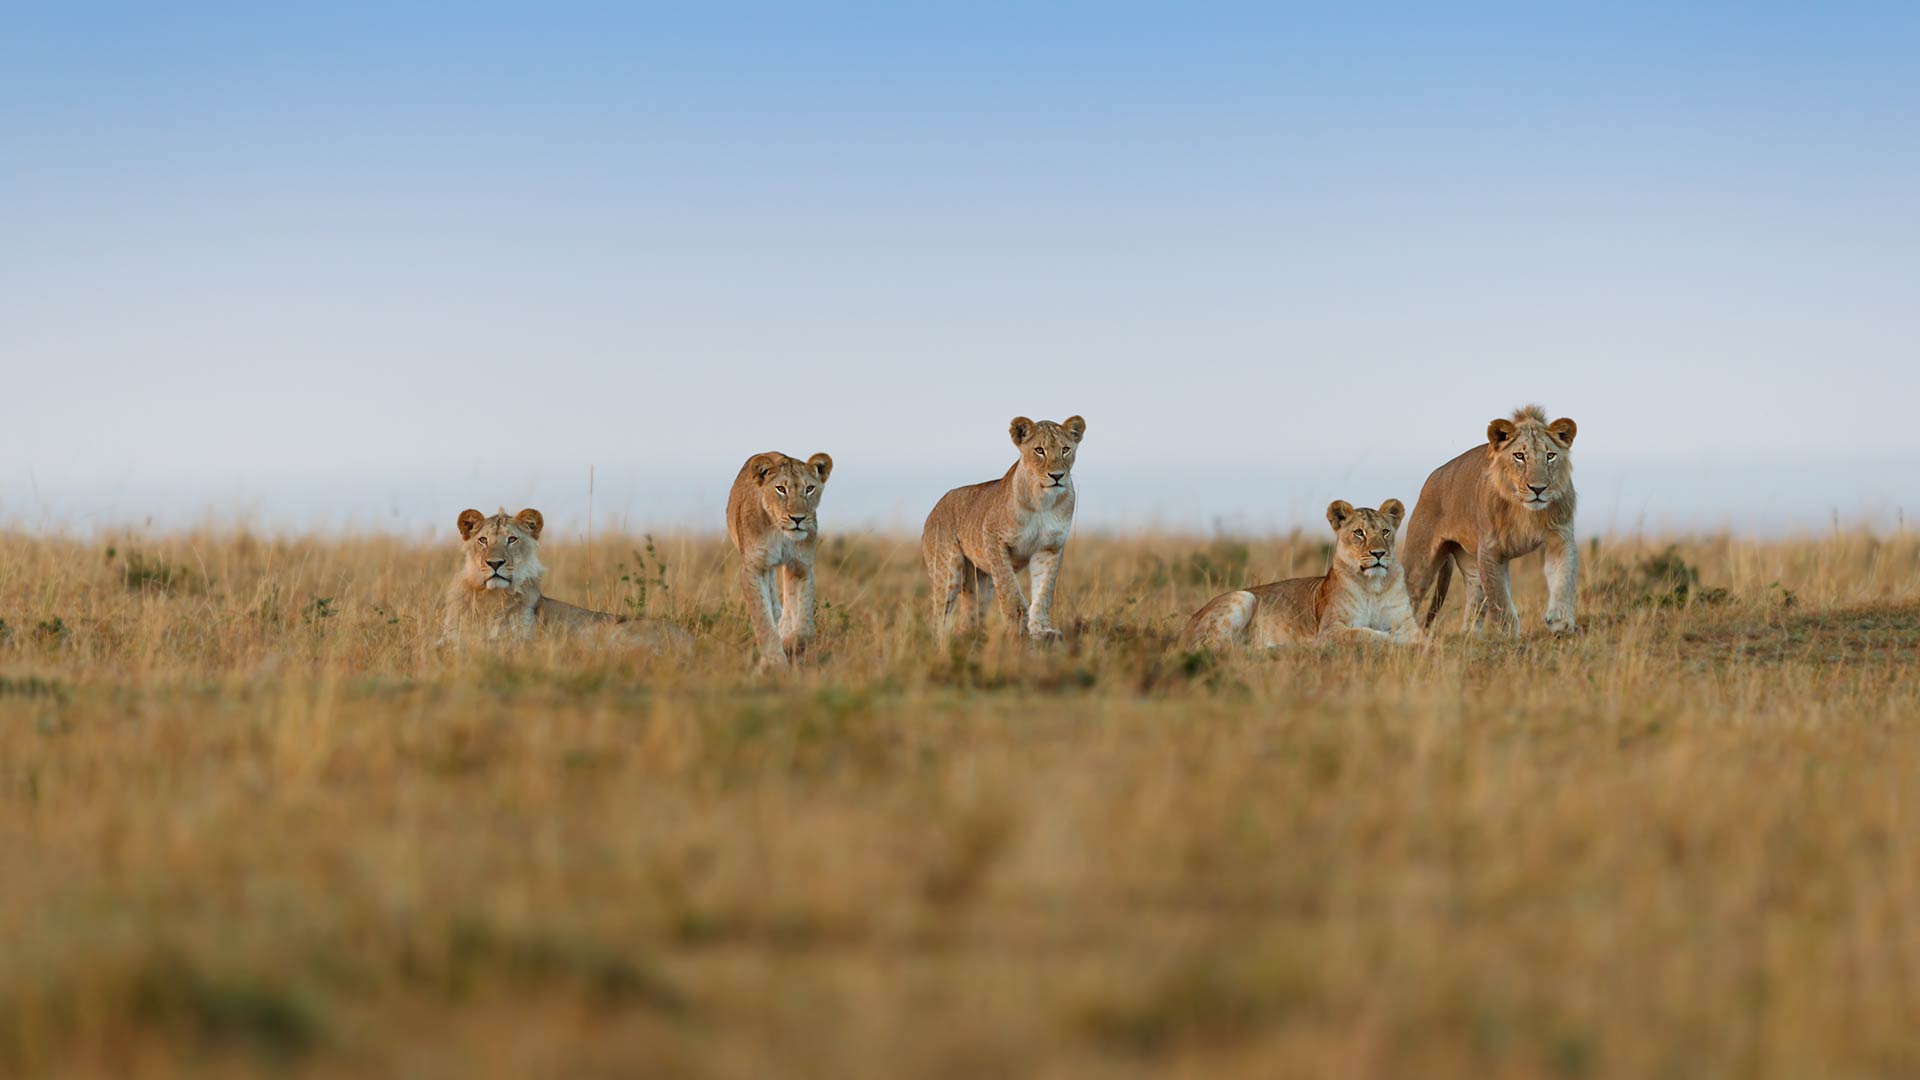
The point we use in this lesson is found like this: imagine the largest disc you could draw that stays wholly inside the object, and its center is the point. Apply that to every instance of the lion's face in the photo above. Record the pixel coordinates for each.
(1047, 449)
(790, 490)
(501, 551)
(1530, 458)
(1363, 538)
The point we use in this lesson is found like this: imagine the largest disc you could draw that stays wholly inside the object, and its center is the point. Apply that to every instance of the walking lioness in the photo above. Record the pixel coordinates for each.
(1491, 505)
(496, 596)
(978, 537)
(772, 516)
(1361, 597)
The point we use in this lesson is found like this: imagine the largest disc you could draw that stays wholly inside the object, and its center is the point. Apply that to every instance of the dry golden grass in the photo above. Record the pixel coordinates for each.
(252, 820)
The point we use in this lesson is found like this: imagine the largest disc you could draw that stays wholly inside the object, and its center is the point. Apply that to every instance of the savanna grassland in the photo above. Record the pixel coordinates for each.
(252, 819)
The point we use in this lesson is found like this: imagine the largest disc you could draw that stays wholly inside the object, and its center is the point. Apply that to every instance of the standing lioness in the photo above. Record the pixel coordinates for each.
(1361, 597)
(772, 516)
(496, 592)
(978, 537)
(1491, 505)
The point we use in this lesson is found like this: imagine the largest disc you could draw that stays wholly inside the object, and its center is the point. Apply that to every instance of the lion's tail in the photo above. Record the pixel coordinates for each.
(1442, 575)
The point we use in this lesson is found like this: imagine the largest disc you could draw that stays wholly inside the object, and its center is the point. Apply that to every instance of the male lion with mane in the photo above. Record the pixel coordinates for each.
(980, 536)
(496, 591)
(1491, 505)
(1361, 597)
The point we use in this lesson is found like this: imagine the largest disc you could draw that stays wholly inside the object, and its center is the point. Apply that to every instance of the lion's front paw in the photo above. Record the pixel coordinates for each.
(1044, 633)
(1562, 624)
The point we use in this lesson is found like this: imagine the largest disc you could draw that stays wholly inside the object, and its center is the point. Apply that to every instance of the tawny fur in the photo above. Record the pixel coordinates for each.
(1361, 597)
(773, 519)
(979, 537)
(495, 595)
(1480, 511)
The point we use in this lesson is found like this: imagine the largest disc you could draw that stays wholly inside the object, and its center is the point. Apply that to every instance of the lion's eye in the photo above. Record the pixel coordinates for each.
(1359, 534)
(513, 539)
(780, 489)
(809, 489)
(1519, 457)
(1552, 456)
(1039, 451)
(483, 541)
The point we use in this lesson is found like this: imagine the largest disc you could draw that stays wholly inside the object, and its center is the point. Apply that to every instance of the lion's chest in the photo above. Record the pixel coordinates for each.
(516, 625)
(1044, 528)
(495, 616)
(1371, 604)
(782, 549)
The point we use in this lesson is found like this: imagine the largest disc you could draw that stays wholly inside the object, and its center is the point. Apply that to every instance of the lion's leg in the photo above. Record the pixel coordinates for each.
(948, 573)
(1496, 592)
(796, 618)
(1365, 634)
(1423, 557)
(978, 595)
(1563, 570)
(1006, 581)
(763, 610)
(1396, 611)
(1223, 622)
(1475, 599)
(1044, 570)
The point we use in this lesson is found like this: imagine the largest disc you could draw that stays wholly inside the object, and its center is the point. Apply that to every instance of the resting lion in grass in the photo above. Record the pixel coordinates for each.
(979, 537)
(773, 519)
(1361, 597)
(1491, 505)
(495, 595)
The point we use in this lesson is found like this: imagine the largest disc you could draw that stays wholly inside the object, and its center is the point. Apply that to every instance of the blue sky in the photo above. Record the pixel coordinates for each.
(328, 263)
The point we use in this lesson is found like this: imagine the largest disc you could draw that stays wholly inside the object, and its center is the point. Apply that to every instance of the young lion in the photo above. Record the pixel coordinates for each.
(772, 516)
(496, 591)
(1361, 597)
(978, 537)
(1490, 506)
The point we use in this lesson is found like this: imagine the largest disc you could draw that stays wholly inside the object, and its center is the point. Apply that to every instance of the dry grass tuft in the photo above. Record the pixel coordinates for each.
(253, 820)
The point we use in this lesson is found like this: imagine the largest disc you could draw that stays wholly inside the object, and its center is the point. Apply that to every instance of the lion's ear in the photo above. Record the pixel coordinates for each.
(469, 521)
(1564, 430)
(1338, 511)
(1020, 428)
(531, 521)
(761, 466)
(1499, 432)
(1394, 509)
(822, 464)
(1076, 427)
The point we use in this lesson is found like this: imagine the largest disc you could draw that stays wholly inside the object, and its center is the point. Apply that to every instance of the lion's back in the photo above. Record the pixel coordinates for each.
(959, 512)
(1445, 507)
(740, 502)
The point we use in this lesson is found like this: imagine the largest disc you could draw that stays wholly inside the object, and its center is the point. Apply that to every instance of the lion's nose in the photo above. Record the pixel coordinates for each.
(797, 519)
(496, 563)
(1537, 488)
(1378, 553)
(1056, 476)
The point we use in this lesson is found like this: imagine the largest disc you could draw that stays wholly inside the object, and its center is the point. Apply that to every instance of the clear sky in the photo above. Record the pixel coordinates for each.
(344, 263)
